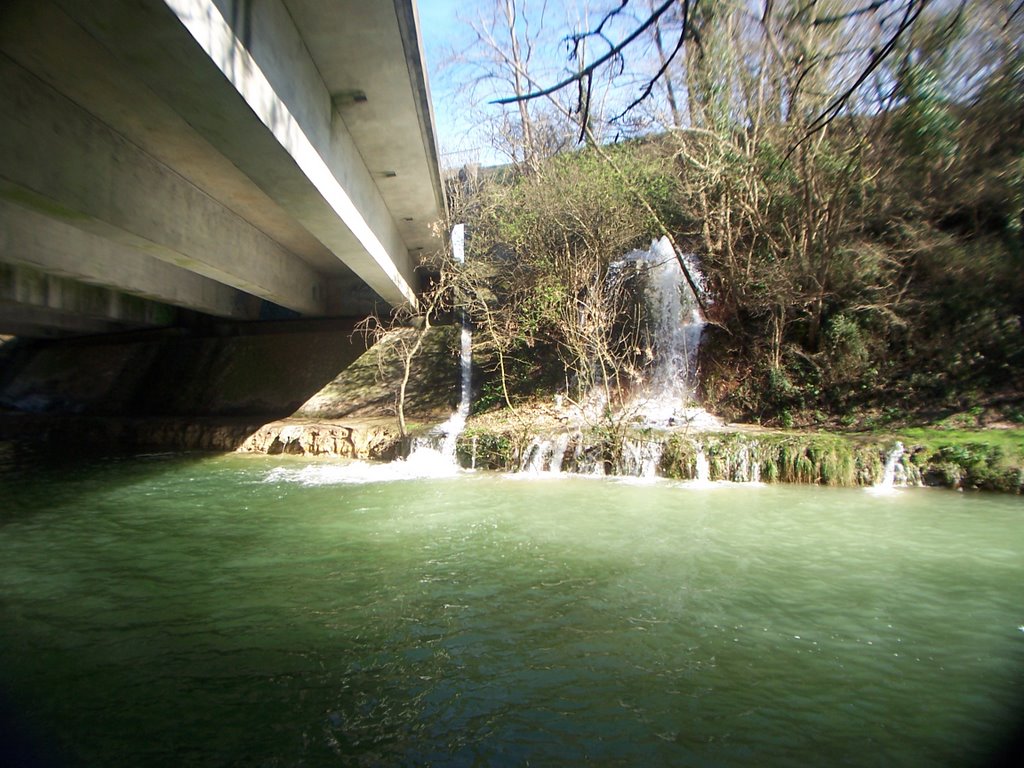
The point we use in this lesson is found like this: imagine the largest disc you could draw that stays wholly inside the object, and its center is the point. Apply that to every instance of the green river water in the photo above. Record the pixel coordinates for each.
(254, 611)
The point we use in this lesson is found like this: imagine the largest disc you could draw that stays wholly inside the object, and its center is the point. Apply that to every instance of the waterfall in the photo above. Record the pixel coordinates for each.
(561, 445)
(545, 455)
(755, 464)
(640, 458)
(888, 480)
(447, 434)
(667, 398)
(741, 473)
(675, 325)
(457, 421)
(586, 458)
(535, 456)
(702, 467)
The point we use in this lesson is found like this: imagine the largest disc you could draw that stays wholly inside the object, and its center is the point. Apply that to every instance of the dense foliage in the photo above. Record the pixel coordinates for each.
(537, 282)
(873, 266)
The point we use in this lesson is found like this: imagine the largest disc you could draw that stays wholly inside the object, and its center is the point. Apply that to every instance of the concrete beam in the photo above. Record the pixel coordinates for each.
(30, 322)
(379, 58)
(32, 239)
(63, 162)
(36, 304)
(56, 49)
(218, 78)
(261, 52)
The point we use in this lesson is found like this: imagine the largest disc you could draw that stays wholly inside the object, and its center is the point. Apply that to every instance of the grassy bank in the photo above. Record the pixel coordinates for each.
(987, 459)
(991, 460)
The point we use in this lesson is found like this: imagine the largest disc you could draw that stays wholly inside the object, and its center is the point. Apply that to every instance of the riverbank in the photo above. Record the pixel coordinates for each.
(991, 460)
(353, 417)
(965, 459)
(980, 459)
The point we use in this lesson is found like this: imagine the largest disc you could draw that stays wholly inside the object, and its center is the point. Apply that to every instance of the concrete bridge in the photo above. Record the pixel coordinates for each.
(241, 159)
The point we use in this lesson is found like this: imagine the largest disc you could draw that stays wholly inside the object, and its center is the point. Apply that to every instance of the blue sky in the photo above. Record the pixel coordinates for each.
(444, 26)
(442, 31)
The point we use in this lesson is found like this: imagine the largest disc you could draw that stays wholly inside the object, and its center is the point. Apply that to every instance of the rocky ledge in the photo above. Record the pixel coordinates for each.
(361, 440)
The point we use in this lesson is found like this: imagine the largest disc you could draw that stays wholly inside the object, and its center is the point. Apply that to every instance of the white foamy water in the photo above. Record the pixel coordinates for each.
(888, 484)
(676, 324)
(423, 464)
(442, 439)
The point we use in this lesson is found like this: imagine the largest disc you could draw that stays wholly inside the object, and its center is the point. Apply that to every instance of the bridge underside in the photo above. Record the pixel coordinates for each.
(241, 159)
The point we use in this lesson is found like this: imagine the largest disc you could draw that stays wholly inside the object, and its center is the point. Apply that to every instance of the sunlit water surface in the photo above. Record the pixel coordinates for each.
(264, 612)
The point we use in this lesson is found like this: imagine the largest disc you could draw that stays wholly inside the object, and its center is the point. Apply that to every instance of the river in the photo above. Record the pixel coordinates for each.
(255, 611)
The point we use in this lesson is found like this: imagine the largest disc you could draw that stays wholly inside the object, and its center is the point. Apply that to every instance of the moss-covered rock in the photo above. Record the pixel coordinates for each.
(986, 462)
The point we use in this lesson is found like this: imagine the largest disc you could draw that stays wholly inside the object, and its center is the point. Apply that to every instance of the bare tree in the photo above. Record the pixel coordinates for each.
(875, 30)
(515, 45)
(402, 333)
(508, 36)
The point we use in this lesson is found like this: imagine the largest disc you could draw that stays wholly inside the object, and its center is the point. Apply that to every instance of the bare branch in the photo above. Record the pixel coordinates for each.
(913, 10)
(838, 17)
(1013, 15)
(599, 30)
(591, 68)
(649, 88)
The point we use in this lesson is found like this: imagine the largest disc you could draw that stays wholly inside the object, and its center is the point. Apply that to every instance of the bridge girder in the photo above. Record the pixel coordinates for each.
(199, 153)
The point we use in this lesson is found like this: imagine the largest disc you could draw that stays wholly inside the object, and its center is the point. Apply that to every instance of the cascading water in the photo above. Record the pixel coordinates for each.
(640, 458)
(891, 469)
(457, 421)
(668, 396)
(544, 455)
(708, 459)
(675, 325)
(702, 467)
(559, 446)
(439, 445)
(747, 468)
(535, 456)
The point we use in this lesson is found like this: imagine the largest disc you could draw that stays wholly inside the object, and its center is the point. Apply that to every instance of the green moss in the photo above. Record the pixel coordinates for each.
(1010, 440)
(990, 459)
(979, 460)
(487, 450)
(677, 458)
